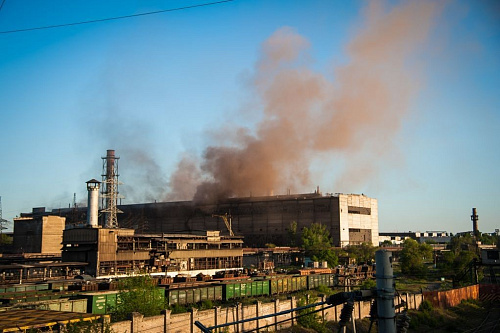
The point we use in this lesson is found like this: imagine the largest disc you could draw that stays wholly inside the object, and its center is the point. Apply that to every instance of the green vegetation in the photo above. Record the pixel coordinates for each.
(317, 244)
(306, 318)
(466, 316)
(322, 289)
(413, 256)
(292, 234)
(363, 253)
(368, 284)
(5, 239)
(138, 294)
(386, 243)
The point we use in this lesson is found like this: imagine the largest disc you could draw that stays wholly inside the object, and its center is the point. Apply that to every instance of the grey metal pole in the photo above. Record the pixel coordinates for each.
(385, 292)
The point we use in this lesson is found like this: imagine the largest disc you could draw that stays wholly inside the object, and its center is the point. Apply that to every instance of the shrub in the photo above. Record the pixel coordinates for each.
(425, 306)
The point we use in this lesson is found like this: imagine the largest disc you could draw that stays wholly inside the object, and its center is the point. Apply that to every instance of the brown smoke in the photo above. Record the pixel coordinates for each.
(305, 113)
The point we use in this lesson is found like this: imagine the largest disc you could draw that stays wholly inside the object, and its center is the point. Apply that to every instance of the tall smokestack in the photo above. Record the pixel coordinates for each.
(475, 218)
(93, 203)
(110, 192)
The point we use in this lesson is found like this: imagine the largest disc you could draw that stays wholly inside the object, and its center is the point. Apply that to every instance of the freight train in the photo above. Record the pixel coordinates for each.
(102, 297)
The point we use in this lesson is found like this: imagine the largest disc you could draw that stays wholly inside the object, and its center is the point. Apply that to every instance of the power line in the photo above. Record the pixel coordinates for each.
(112, 18)
(1, 6)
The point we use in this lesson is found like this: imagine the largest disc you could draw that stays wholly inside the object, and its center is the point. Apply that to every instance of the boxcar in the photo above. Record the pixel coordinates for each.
(100, 302)
(314, 281)
(287, 284)
(191, 295)
(246, 288)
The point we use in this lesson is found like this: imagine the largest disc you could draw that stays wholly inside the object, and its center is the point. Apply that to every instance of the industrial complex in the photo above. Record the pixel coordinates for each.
(70, 259)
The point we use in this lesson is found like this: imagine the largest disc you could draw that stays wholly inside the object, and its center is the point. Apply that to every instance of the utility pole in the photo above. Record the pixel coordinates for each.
(385, 292)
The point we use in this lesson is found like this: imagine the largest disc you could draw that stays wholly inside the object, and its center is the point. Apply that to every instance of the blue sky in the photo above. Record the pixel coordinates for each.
(160, 87)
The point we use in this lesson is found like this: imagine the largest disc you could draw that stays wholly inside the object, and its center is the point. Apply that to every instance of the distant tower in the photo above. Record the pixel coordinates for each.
(110, 189)
(2, 221)
(474, 218)
(93, 203)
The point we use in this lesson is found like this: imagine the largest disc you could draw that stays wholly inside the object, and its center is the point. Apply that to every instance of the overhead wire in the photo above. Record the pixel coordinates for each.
(112, 18)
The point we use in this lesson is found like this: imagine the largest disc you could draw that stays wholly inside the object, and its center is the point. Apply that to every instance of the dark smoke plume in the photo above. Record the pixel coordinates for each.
(305, 114)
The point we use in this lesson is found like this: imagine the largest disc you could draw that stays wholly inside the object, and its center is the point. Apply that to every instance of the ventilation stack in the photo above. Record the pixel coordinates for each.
(475, 218)
(110, 189)
(93, 203)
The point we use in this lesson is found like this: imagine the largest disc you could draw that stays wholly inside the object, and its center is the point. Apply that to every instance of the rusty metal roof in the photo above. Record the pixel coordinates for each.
(24, 319)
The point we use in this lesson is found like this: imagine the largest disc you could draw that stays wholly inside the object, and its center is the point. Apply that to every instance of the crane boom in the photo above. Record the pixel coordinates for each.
(227, 221)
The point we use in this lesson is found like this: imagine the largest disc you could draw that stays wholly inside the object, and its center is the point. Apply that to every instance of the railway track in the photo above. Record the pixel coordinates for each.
(490, 323)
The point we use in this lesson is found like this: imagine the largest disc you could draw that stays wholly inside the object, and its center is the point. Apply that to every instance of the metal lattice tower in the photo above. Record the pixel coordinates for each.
(110, 189)
(2, 221)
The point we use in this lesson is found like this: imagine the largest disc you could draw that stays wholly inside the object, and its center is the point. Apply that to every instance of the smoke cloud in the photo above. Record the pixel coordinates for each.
(305, 113)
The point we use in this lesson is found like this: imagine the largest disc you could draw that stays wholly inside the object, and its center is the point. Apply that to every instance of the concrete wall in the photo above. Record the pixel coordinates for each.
(52, 234)
(184, 322)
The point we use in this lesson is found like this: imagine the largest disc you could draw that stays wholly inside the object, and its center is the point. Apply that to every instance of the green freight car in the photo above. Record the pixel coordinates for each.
(191, 295)
(316, 280)
(287, 284)
(100, 302)
(246, 288)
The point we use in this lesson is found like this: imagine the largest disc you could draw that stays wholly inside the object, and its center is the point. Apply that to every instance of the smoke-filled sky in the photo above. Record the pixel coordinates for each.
(398, 100)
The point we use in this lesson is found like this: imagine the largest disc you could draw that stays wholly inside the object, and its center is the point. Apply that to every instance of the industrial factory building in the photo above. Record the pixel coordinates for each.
(350, 218)
(111, 251)
(38, 234)
(117, 251)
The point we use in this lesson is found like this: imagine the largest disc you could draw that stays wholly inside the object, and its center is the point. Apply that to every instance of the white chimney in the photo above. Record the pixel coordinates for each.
(93, 203)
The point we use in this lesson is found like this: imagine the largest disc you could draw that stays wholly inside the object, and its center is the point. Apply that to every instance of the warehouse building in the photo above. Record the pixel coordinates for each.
(350, 218)
(118, 251)
(38, 234)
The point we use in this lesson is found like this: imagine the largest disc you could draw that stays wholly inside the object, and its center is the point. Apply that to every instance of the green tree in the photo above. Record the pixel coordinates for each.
(460, 254)
(318, 245)
(386, 243)
(364, 252)
(413, 256)
(292, 234)
(138, 294)
(488, 239)
(5, 239)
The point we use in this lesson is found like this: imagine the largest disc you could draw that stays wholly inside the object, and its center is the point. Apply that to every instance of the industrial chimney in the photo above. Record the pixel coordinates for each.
(474, 218)
(93, 203)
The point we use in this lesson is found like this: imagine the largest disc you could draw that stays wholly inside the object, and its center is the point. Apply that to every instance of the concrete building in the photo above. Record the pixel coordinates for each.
(38, 234)
(117, 251)
(350, 218)
(397, 238)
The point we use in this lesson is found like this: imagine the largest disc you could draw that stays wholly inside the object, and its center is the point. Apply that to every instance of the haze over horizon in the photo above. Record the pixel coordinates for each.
(398, 100)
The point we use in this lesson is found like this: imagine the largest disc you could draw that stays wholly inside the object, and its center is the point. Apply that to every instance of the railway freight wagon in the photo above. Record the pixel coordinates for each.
(191, 295)
(287, 284)
(246, 288)
(101, 302)
(314, 281)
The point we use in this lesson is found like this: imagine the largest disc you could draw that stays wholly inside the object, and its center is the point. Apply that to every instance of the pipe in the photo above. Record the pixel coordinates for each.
(385, 292)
